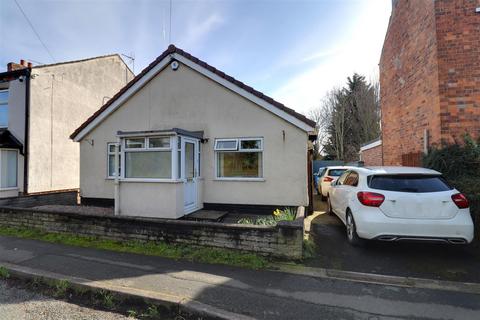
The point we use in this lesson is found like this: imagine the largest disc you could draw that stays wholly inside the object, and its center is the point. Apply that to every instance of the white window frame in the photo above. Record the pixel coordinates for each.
(112, 153)
(239, 149)
(226, 149)
(9, 188)
(172, 148)
(8, 109)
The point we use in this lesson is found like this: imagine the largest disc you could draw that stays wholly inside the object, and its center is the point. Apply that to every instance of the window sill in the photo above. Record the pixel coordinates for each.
(9, 189)
(241, 179)
(150, 180)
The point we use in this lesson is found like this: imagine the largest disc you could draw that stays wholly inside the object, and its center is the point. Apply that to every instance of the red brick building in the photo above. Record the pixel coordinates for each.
(429, 77)
(372, 153)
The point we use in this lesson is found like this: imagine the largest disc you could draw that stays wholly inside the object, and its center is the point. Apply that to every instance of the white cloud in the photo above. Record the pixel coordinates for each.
(197, 31)
(330, 68)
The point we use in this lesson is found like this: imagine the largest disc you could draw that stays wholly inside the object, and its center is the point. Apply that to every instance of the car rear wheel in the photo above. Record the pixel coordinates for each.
(329, 207)
(352, 235)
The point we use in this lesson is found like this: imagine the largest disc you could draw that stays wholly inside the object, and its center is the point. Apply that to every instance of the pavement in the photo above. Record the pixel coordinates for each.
(235, 293)
(422, 260)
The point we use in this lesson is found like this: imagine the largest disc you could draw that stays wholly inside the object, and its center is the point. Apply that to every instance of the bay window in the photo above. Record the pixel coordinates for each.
(8, 168)
(149, 157)
(239, 158)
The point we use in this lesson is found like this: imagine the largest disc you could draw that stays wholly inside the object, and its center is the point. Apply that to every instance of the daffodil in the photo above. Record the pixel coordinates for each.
(277, 212)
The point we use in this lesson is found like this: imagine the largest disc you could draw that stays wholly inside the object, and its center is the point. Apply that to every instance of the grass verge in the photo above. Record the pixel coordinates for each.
(151, 248)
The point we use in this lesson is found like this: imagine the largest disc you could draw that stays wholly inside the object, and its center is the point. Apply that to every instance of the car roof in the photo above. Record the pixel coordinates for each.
(397, 170)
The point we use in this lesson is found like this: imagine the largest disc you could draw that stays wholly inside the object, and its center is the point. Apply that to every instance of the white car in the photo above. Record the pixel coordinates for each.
(330, 174)
(400, 203)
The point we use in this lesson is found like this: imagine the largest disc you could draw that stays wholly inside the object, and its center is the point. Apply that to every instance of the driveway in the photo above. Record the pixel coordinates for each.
(432, 261)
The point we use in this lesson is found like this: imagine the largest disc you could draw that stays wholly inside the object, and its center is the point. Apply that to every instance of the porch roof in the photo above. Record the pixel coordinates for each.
(173, 131)
(8, 140)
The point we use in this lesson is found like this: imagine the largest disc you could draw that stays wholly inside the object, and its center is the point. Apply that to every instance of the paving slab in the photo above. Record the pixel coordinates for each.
(207, 215)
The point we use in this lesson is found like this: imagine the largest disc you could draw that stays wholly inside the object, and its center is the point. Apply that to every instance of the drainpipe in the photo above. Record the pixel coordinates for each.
(27, 124)
(117, 181)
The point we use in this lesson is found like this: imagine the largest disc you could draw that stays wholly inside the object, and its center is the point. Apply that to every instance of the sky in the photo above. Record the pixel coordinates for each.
(292, 50)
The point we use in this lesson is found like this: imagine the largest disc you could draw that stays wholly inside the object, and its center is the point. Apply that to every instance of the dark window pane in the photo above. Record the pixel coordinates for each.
(408, 183)
(251, 144)
(336, 172)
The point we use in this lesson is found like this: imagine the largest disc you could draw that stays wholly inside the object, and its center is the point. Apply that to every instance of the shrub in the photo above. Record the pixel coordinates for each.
(460, 165)
(4, 274)
(455, 161)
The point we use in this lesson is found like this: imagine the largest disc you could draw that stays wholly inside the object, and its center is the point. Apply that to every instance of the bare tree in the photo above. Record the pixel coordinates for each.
(347, 118)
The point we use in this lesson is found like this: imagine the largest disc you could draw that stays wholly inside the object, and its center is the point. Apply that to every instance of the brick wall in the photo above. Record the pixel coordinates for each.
(458, 43)
(284, 240)
(372, 156)
(409, 80)
(429, 76)
(41, 199)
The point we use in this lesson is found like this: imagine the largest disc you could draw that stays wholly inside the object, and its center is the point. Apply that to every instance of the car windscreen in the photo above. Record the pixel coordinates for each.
(409, 183)
(335, 172)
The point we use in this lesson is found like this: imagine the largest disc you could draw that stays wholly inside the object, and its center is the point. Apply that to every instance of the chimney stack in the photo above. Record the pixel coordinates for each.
(12, 66)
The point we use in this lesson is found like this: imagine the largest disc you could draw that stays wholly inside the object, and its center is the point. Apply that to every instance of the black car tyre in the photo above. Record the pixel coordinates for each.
(352, 235)
(329, 207)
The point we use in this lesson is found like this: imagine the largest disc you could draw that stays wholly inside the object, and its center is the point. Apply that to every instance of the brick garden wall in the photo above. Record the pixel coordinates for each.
(372, 156)
(285, 240)
(41, 199)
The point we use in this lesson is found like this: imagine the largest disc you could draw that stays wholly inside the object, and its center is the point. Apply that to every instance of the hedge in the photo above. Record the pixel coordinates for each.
(460, 165)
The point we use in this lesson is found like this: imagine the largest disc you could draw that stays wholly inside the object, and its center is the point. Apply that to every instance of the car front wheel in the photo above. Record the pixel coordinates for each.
(352, 235)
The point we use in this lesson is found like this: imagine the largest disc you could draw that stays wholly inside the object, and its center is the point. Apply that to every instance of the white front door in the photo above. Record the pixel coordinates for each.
(189, 167)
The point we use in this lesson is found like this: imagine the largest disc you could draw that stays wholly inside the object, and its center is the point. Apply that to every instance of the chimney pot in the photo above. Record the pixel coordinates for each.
(12, 66)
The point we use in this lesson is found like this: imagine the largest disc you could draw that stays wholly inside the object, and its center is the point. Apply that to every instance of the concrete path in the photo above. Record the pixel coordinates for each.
(257, 294)
(422, 260)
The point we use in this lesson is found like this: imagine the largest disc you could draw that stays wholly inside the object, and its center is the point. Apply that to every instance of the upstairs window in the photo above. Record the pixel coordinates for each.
(8, 168)
(3, 108)
(239, 158)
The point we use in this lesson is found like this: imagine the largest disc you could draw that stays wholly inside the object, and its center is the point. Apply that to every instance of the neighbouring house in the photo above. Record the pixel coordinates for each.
(39, 108)
(183, 135)
(429, 77)
(371, 153)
